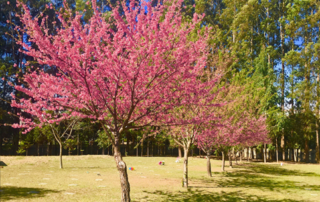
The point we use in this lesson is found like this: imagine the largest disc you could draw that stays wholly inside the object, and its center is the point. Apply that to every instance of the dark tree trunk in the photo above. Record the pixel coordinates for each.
(102, 150)
(208, 165)
(306, 151)
(223, 160)
(60, 155)
(38, 149)
(148, 145)
(264, 153)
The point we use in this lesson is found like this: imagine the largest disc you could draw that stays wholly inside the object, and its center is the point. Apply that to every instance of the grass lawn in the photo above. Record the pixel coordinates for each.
(95, 178)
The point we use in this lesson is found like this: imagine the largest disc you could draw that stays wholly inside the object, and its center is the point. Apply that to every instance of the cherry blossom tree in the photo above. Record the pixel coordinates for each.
(126, 75)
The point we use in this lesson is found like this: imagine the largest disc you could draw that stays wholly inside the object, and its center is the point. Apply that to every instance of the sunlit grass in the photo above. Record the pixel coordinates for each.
(95, 178)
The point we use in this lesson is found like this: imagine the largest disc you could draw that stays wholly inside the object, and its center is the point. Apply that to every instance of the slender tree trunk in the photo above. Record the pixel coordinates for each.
(317, 122)
(236, 158)
(223, 160)
(240, 155)
(78, 144)
(137, 150)
(122, 168)
(180, 152)
(264, 153)
(152, 149)
(185, 167)
(282, 78)
(208, 165)
(230, 158)
(48, 148)
(102, 150)
(306, 150)
(277, 151)
(248, 154)
(148, 148)
(60, 155)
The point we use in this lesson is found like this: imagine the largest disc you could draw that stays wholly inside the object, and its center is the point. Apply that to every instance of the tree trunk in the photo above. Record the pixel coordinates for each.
(48, 148)
(141, 149)
(185, 167)
(209, 165)
(148, 148)
(223, 160)
(180, 152)
(317, 143)
(60, 155)
(240, 155)
(236, 158)
(69, 151)
(137, 151)
(248, 154)
(264, 153)
(38, 149)
(306, 151)
(230, 159)
(102, 150)
(277, 151)
(122, 168)
(152, 149)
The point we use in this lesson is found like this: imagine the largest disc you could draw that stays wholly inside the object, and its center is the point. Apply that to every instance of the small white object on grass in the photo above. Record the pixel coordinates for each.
(281, 164)
(69, 193)
(98, 179)
(72, 185)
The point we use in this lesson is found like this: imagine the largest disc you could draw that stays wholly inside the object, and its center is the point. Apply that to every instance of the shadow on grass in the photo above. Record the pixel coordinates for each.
(2, 163)
(200, 195)
(246, 180)
(16, 193)
(274, 170)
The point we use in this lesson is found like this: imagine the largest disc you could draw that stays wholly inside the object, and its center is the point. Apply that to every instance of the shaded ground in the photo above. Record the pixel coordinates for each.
(95, 178)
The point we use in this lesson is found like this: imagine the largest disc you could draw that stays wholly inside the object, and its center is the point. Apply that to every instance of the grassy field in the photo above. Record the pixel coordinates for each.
(95, 178)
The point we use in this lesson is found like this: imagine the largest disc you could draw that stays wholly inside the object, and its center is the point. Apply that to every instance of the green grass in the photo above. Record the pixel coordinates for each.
(40, 179)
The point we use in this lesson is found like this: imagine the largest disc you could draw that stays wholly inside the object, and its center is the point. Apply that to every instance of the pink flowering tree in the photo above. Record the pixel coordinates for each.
(124, 75)
(192, 116)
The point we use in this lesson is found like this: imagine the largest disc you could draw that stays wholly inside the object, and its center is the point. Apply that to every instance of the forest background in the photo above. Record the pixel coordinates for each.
(274, 49)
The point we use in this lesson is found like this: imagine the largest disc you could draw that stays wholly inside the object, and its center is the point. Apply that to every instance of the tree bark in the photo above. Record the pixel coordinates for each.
(230, 159)
(240, 155)
(122, 168)
(148, 148)
(264, 153)
(209, 165)
(306, 151)
(223, 160)
(248, 154)
(60, 155)
(277, 151)
(102, 150)
(185, 167)
(180, 152)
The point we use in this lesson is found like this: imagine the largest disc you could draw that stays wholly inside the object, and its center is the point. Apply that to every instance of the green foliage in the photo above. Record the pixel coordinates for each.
(103, 139)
